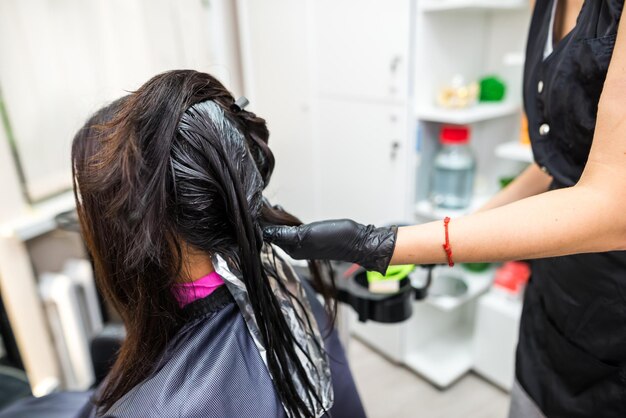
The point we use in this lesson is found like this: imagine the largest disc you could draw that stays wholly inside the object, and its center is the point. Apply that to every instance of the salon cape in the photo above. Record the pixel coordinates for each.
(212, 368)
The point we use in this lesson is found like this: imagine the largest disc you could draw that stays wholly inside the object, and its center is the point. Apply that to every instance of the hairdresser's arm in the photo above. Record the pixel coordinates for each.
(531, 182)
(372, 247)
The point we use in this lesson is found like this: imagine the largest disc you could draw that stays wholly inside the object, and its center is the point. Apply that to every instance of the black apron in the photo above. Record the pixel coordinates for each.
(571, 356)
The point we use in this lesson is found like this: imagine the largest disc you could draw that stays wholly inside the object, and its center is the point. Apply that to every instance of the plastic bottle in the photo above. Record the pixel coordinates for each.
(453, 169)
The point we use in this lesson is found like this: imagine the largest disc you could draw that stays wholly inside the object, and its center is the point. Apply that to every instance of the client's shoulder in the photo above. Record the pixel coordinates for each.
(212, 368)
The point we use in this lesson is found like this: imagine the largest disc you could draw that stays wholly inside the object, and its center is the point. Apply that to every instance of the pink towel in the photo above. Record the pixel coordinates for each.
(185, 293)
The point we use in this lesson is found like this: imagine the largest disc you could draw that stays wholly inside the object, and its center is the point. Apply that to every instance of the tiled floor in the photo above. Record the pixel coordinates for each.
(388, 390)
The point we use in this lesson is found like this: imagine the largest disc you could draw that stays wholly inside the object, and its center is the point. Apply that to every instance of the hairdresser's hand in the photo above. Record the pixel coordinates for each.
(341, 240)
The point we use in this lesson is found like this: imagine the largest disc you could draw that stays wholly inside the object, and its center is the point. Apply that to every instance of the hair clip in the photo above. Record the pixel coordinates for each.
(239, 104)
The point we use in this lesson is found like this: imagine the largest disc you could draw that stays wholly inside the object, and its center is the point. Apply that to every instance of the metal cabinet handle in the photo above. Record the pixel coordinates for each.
(395, 63)
(395, 146)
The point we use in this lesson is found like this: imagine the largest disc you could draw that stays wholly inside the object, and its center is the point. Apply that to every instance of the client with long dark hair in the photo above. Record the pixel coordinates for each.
(169, 185)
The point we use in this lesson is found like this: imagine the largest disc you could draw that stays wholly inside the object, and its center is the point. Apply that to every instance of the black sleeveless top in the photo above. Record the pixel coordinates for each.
(571, 357)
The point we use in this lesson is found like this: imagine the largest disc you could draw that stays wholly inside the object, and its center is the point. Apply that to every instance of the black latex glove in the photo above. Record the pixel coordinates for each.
(340, 240)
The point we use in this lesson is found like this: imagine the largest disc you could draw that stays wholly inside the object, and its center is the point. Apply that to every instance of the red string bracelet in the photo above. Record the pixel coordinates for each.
(446, 247)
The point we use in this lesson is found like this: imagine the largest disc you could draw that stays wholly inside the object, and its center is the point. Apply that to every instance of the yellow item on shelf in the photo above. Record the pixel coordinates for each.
(458, 94)
(524, 137)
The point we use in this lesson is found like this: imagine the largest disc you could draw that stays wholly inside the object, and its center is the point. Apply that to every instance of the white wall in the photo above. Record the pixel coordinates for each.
(60, 60)
(277, 79)
(12, 202)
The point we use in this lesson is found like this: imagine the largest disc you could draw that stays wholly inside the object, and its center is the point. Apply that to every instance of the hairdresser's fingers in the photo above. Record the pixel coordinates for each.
(281, 235)
(347, 240)
(324, 240)
(338, 239)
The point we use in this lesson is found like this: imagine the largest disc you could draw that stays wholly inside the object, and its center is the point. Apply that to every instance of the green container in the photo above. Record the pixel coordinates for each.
(476, 267)
(505, 181)
(393, 273)
(492, 89)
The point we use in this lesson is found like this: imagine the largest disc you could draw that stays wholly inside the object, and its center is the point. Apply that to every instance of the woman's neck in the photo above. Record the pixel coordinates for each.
(567, 12)
(196, 264)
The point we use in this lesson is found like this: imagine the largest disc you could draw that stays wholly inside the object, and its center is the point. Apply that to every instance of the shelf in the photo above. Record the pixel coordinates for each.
(515, 151)
(477, 113)
(445, 358)
(425, 209)
(477, 285)
(508, 307)
(452, 5)
(39, 219)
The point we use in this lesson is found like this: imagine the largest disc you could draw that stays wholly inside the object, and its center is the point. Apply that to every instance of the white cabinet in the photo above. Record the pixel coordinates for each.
(360, 57)
(495, 340)
(361, 166)
(276, 68)
(361, 48)
(330, 77)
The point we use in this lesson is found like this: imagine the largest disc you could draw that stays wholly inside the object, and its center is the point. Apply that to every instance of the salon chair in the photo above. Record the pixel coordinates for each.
(104, 348)
(13, 381)
(17, 400)
(13, 385)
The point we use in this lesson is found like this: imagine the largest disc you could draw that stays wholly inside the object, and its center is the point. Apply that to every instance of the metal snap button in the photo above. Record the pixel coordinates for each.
(540, 87)
(544, 129)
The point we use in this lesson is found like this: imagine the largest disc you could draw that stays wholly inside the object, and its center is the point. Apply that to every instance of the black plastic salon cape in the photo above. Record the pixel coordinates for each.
(212, 368)
(571, 357)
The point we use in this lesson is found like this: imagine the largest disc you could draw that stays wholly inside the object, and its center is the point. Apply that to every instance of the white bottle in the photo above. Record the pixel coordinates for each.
(452, 182)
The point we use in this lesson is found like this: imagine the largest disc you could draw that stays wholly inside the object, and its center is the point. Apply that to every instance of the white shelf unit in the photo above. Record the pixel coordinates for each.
(481, 5)
(426, 210)
(444, 359)
(477, 284)
(477, 113)
(472, 45)
(496, 332)
(515, 151)
(439, 338)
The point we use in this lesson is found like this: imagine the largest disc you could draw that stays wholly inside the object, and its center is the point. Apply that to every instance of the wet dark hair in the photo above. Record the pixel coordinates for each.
(174, 164)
